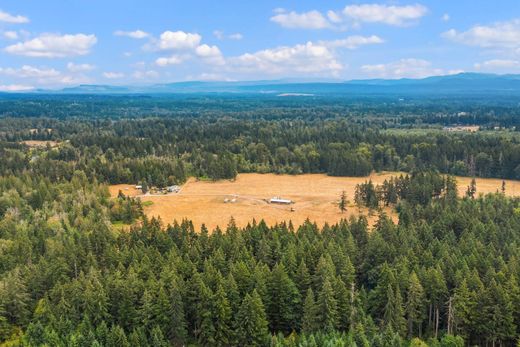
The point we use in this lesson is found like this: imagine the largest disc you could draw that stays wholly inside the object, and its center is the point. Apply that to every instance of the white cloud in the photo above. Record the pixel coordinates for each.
(9, 18)
(353, 42)
(502, 35)
(306, 20)
(54, 46)
(10, 35)
(28, 71)
(79, 67)
(113, 75)
(236, 36)
(404, 68)
(172, 60)
(309, 58)
(391, 15)
(15, 88)
(210, 54)
(137, 34)
(150, 74)
(445, 17)
(334, 17)
(178, 40)
(43, 75)
(498, 64)
(220, 35)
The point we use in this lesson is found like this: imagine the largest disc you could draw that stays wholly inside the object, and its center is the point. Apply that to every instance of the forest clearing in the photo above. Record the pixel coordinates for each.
(315, 197)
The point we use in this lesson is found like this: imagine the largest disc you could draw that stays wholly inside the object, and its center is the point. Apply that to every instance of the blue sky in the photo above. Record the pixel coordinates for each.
(56, 43)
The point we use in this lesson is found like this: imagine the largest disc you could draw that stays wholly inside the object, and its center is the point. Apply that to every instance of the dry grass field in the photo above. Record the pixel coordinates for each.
(41, 144)
(315, 197)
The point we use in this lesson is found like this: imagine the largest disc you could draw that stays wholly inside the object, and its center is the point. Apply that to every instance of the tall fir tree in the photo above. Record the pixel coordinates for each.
(252, 322)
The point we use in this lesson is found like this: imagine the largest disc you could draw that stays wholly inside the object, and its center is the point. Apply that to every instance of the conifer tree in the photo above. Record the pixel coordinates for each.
(284, 301)
(414, 304)
(222, 318)
(328, 308)
(343, 202)
(251, 322)
(310, 313)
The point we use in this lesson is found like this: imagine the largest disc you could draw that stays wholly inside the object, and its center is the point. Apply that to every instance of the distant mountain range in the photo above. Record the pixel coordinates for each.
(463, 83)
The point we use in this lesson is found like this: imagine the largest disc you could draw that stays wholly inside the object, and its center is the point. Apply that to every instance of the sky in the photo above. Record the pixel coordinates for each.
(57, 43)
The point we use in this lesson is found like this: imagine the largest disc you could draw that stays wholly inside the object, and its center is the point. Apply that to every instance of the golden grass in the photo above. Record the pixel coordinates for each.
(40, 144)
(315, 197)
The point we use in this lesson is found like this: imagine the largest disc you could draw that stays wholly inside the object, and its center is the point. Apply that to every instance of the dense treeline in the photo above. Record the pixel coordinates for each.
(448, 274)
(166, 151)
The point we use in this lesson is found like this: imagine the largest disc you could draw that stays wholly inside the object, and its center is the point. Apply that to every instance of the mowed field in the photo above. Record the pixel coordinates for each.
(315, 197)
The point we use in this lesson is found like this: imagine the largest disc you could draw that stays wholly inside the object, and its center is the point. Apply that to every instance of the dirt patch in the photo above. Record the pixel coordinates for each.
(40, 144)
(315, 197)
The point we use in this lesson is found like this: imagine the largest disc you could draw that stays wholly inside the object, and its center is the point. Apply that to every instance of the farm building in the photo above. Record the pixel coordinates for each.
(278, 200)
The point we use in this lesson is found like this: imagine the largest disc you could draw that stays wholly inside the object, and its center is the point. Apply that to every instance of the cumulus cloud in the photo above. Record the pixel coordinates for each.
(309, 58)
(43, 75)
(307, 20)
(386, 14)
(137, 34)
(498, 64)
(185, 46)
(150, 74)
(10, 35)
(15, 88)
(351, 15)
(54, 46)
(404, 68)
(210, 54)
(171, 60)
(220, 35)
(353, 42)
(9, 18)
(113, 75)
(445, 17)
(178, 40)
(28, 71)
(502, 35)
(79, 67)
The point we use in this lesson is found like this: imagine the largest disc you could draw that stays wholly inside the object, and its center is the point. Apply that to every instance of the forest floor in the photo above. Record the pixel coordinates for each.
(315, 197)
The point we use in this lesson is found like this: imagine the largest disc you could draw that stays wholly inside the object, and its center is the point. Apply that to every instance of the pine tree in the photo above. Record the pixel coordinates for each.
(177, 326)
(138, 338)
(472, 189)
(251, 322)
(157, 338)
(310, 313)
(414, 304)
(222, 318)
(343, 298)
(328, 308)
(497, 312)
(302, 279)
(463, 310)
(117, 337)
(284, 301)
(206, 331)
(394, 312)
(343, 202)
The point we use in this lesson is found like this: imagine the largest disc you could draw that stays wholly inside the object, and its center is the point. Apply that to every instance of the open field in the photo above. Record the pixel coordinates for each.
(42, 144)
(315, 197)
